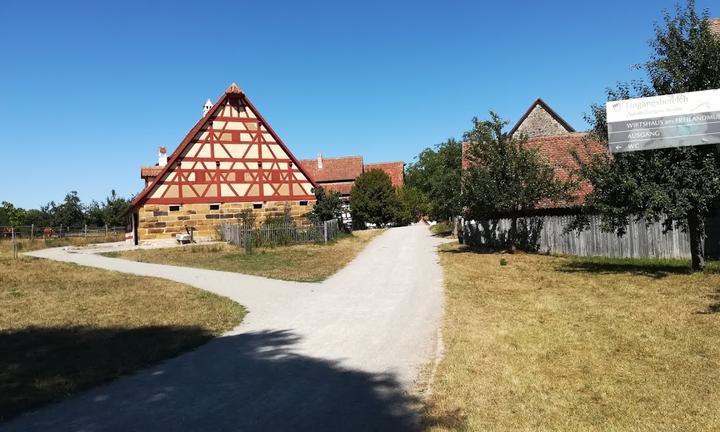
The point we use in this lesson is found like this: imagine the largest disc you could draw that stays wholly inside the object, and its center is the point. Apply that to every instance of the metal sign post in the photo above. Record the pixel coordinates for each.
(677, 120)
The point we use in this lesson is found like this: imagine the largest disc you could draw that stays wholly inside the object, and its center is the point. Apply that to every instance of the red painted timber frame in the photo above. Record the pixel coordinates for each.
(232, 92)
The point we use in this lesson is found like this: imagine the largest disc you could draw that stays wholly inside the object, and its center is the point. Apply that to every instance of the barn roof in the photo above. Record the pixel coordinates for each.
(334, 169)
(396, 171)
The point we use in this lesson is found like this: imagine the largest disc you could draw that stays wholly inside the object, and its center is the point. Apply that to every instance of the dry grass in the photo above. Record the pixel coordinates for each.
(305, 262)
(550, 343)
(64, 327)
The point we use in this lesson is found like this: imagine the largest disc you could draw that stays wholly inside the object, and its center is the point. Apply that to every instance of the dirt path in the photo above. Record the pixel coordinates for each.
(339, 355)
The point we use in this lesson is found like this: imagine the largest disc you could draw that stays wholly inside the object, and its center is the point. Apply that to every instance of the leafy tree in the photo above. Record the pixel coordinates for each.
(437, 175)
(505, 177)
(70, 212)
(327, 206)
(372, 199)
(412, 204)
(680, 184)
(40, 218)
(11, 215)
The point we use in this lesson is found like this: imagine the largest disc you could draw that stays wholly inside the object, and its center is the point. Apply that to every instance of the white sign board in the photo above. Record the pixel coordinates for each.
(678, 120)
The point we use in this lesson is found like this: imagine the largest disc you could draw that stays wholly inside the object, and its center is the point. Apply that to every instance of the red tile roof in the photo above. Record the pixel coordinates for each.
(150, 171)
(557, 149)
(341, 188)
(338, 174)
(396, 171)
(334, 169)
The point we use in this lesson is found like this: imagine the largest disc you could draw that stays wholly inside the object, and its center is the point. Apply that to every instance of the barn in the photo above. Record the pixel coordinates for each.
(338, 174)
(231, 160)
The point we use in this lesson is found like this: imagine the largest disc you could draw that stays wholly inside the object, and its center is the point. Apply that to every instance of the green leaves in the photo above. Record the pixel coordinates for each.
(373, 199)
(681, 184)
(327, 206)
(436, 174)
(503, 174)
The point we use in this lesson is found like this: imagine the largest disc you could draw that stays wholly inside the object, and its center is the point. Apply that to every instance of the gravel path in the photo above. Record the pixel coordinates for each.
(343, 354)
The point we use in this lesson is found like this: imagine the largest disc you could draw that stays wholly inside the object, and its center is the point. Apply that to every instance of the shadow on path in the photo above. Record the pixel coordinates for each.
(251, 381)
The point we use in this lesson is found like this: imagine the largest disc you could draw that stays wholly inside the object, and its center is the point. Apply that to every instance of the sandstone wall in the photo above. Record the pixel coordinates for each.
(158, 222)
(540, 123)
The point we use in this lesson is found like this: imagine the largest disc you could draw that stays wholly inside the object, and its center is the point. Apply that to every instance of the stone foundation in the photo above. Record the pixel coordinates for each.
(159, 222)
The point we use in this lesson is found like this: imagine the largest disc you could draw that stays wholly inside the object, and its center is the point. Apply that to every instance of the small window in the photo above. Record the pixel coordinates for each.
(214, 206)
(257, 206)
(174, 208)
(303, 203)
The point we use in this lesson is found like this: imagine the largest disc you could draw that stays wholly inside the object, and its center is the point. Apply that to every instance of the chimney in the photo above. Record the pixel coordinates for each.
(162, 156)
(207, 107)
(319, 161)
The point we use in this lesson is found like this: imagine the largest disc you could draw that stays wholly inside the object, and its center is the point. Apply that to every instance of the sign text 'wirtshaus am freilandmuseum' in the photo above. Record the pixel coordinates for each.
(678, 120)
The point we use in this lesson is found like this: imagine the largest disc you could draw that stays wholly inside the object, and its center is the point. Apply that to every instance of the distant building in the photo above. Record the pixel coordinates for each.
(338, 174)
(555, 138)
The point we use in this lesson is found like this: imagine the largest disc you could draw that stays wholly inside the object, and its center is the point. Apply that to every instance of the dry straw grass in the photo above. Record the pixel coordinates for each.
(64, 327)
(548, 343)
(304, 262)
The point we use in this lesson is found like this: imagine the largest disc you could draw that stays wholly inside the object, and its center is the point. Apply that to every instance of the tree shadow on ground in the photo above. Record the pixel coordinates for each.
(251, 381)
(39, 365)
(645, 268)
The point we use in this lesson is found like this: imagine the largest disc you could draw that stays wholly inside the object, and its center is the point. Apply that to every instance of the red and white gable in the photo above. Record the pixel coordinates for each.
(231, 155)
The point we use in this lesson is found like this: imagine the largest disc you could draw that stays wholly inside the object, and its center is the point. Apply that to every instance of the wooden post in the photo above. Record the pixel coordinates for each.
(85, 231)
(325, 230)
(32, 232)
(106, 230)
(14, 244)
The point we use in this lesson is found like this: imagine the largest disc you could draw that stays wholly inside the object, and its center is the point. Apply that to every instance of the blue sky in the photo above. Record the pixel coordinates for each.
(88, 91)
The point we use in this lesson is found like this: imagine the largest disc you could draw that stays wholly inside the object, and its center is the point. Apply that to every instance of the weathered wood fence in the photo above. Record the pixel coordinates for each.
(548, 233)
(34, 232)
(279, 233)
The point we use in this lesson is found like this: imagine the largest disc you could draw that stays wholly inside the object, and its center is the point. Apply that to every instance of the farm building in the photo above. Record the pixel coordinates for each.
(555, 139)
(230, 160)
(338, 174)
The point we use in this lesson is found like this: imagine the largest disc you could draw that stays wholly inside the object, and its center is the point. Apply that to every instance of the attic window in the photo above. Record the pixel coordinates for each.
(257, 206)
(303, 203)
(174, 208)
(214, 206)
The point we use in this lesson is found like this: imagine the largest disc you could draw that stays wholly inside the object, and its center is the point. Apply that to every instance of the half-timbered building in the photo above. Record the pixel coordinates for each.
(230, 160)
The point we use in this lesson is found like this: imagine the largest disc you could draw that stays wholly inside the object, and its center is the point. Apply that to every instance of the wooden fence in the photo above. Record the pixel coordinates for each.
(548, 235)
(34, 232)
(278, 234)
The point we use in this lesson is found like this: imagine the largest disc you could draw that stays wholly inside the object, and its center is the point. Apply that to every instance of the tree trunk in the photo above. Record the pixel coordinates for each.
(696, 230)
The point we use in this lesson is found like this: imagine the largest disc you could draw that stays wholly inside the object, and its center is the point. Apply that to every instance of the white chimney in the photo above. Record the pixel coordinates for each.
(319, 161)
(207, 107)
(162, 157)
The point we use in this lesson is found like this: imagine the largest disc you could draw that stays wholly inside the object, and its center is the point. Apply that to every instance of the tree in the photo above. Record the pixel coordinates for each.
(412, 204)
(372, 199)
(437, 175)
(505, 177)
(70, 212)
(677, 185)
(40, 218)
(11, 215)
(327, 206)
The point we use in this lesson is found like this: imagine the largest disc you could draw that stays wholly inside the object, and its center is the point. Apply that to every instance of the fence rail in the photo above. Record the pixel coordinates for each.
(36, 232)
(548, 234)
(279, 234)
